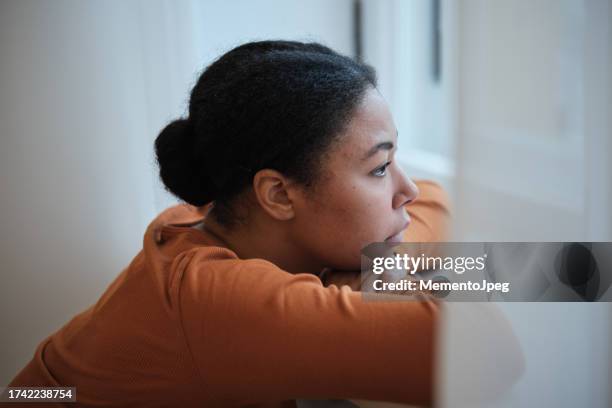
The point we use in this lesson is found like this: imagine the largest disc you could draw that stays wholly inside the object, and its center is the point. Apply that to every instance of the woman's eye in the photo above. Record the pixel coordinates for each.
(382, 170)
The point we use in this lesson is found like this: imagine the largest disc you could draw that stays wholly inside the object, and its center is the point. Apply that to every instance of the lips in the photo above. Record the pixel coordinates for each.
(398, 236)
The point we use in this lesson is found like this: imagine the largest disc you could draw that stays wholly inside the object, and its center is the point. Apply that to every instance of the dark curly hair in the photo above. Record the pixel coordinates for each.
(267, 104)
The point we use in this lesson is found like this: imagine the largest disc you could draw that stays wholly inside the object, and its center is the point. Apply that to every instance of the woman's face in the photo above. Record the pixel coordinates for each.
(361, 193)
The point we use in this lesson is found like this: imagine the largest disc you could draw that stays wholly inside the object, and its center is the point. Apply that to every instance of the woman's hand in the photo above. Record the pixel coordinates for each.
(361, 282)
(351, 279)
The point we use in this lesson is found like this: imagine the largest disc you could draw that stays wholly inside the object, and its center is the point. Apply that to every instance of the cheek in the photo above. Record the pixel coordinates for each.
(356, 217)
(366, 203)
(347, 220)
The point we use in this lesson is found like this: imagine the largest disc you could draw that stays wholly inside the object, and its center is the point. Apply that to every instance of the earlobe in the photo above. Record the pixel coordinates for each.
(271, 190)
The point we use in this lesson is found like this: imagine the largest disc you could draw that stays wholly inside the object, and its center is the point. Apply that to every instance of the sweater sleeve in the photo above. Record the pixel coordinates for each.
(260, 334)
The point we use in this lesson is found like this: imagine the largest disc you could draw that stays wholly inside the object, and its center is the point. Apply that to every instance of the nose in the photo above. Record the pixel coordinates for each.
(406, 190)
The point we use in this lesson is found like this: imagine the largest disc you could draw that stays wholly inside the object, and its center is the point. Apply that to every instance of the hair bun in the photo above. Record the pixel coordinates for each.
(174, 150)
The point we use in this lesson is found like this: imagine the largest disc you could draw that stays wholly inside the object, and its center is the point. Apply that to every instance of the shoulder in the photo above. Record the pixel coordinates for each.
(221, 268)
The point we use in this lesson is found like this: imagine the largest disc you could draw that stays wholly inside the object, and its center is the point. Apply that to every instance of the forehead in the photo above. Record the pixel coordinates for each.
(371, 123)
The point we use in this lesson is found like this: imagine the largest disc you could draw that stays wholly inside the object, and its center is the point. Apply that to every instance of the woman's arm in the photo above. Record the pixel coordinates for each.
(260, 334)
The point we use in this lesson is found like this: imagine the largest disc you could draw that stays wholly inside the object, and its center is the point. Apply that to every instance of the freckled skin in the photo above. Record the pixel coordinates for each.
(350, 206)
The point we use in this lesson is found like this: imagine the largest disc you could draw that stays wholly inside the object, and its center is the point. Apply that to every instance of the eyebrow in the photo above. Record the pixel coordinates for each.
(379, 146)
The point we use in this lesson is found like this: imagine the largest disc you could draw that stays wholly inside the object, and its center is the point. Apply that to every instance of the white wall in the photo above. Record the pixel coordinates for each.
(525, 170)
(86, 86)
(75, 162)
(521, 127)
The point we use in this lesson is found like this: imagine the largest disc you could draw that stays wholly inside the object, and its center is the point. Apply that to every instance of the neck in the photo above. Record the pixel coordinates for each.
(264, 239)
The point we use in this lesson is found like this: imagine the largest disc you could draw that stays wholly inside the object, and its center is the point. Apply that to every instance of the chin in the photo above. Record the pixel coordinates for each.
(344, 256)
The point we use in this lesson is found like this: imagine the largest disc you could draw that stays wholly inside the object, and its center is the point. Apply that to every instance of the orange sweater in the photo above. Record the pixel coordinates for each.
(189, 324)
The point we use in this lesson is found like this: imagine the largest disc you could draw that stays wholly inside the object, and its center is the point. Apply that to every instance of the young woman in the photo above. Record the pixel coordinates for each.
(286, 163)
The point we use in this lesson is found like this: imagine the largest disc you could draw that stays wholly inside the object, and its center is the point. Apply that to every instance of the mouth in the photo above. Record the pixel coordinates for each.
(398, 236)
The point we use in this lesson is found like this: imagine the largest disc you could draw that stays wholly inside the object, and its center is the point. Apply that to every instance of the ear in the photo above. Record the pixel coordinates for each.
(272, 190)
